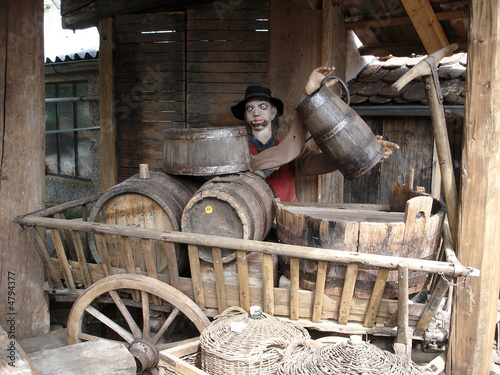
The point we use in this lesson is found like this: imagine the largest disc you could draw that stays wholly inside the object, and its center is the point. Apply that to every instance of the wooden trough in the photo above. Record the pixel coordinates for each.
(368, 229)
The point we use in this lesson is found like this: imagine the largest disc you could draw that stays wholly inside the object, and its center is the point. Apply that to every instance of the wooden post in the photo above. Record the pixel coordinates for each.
(109, 166)
(331, 185)
(295, 49)
(23, 303)
(475, 304)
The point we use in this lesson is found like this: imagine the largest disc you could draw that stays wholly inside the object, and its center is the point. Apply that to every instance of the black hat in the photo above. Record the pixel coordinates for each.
(253, 92)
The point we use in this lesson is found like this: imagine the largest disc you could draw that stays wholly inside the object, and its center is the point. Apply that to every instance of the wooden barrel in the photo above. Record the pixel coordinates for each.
(340, 133)
(414, 233)
(237, 206)
(156, 202)
(206, 151)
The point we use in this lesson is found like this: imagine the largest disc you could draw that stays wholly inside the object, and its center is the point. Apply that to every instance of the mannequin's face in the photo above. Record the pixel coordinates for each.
(259, 113)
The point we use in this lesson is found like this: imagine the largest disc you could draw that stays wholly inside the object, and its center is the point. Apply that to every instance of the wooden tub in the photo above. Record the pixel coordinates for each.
(369, 229)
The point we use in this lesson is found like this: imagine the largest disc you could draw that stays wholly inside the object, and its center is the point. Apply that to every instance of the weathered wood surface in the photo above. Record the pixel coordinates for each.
(55, 339)
(22, 169)
(427, 25)
(13, 359)
(206, 151)
(413, 234)
(156, 202)
(332, 255)
(475, 313)
(150, 92)
(107, 119)
(92, 357)
(237, 206)
(182, 69)
(414, 137)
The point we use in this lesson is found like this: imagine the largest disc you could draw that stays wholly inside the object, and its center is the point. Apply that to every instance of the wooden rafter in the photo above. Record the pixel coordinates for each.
(426, 24)
(398, 21)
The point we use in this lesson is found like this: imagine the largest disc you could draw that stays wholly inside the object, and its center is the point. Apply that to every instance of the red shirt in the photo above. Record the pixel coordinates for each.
(282, 181)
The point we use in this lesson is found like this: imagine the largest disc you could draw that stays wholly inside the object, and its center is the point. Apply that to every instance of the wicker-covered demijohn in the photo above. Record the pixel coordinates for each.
(237, 342)
(353, 357)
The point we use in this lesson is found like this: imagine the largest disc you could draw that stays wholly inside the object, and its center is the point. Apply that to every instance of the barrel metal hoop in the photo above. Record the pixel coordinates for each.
(330, 134)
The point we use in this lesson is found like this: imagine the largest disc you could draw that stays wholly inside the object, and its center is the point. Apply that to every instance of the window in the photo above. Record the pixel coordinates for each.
(67, 130)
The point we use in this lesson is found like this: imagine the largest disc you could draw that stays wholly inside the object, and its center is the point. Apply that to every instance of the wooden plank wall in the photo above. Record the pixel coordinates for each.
(149, 86)
(183, 69)
(227, 50)
(416, 142)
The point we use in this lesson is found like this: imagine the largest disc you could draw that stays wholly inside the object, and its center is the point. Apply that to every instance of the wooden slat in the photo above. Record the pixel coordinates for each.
(403, 336)
(426, 23)
(66, 238)
(39, 245)
(102, 250)
(87, 282)
(268, 284)
(282, 300)
(347, 293)
(219, 279)
(294, 288)
(376, 298)
(194, 263)
(61, 255)
(319, 291)
(438, 293)
(241, 259)
(173, 269)
(148, 247)
(127, 258)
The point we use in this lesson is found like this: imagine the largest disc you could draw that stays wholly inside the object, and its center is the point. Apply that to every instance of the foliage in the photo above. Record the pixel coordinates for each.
(50, 4)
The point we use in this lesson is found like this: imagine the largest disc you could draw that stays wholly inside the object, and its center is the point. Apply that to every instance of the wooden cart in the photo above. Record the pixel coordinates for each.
(141, 294)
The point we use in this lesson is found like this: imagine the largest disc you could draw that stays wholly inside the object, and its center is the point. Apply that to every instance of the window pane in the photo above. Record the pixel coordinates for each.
(84, 156)
(50, 116)
(65, 90)
(68, 145)
(83, 115)
(51, 152)
(67, 153)
(66, 118)
(82, 89)
(50, 90)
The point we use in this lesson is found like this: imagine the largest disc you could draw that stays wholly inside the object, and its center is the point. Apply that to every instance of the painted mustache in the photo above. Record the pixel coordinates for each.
(257, 123)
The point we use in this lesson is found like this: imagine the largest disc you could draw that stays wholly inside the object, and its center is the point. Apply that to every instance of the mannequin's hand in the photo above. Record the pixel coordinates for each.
(317, 76)
(387, 147)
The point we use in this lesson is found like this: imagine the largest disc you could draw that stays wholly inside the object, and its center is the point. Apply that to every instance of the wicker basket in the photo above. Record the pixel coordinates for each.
(354, 357)
(241, 343)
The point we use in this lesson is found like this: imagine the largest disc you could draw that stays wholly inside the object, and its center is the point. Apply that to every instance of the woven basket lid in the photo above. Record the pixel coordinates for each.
(353, 357)
(235, 335)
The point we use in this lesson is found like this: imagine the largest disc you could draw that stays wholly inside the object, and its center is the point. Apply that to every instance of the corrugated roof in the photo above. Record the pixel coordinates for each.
(90, 54)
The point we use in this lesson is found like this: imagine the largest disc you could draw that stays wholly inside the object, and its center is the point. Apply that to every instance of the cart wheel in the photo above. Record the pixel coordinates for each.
(143, 343)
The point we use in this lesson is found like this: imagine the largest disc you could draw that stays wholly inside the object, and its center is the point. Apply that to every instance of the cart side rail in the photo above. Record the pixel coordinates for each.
(69, 269)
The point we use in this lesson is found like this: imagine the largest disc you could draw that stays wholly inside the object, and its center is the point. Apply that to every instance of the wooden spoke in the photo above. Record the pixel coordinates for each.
(136, 331)
(139, 341)
(165, 325)
(111, 324)
(146, 325)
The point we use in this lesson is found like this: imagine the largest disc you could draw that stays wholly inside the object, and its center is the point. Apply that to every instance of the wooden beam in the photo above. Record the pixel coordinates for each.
(24, 307)
(426, 23)
(475, 303)
(331, 185)
(403, 49)
(399, 21)
(109, 166)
